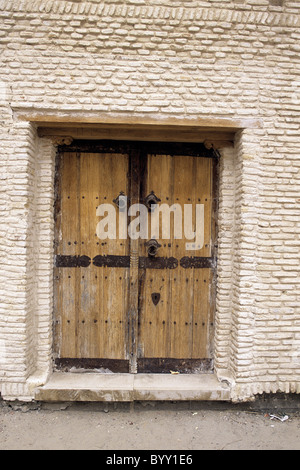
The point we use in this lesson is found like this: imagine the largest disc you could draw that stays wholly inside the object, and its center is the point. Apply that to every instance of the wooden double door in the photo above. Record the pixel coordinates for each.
(135, 292)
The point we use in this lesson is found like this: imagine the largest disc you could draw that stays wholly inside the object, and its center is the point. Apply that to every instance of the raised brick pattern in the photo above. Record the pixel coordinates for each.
(159, 58)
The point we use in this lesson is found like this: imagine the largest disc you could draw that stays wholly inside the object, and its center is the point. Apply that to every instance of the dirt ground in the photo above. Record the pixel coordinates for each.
(145, 426)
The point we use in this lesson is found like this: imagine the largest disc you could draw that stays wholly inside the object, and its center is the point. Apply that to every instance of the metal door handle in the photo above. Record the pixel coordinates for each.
(152, 247)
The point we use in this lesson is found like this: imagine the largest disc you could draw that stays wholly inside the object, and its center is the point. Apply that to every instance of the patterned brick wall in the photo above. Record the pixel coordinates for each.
(159, 59)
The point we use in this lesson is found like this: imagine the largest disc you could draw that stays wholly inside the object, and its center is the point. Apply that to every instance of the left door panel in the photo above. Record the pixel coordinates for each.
(91, 298)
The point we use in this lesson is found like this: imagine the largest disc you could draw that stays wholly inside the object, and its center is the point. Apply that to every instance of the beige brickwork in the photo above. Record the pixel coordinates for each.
(159, 59)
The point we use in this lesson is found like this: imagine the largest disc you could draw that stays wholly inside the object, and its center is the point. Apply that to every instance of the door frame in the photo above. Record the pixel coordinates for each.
(45, 129)
(135, 148)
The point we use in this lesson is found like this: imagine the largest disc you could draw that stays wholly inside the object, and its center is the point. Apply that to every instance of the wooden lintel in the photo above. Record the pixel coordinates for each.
(151, 134)
(211, 123)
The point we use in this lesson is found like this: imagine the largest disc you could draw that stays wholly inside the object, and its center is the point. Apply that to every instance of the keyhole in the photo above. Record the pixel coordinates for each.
(155, 297)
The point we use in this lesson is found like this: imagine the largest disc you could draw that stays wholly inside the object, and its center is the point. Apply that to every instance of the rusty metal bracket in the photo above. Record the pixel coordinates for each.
(158, 263)
(112, 261)
(65, 261)
(197, 262)
(150, 262)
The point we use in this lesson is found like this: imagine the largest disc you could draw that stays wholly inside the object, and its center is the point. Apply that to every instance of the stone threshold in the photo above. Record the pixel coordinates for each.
(96, 387)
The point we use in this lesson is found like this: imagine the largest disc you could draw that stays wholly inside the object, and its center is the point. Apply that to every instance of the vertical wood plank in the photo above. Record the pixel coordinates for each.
(134, 264)
(154, 319)
(92, 302)
(202, 278)
(66, 234)
(182, 286)
(113, 282)
(179, 325)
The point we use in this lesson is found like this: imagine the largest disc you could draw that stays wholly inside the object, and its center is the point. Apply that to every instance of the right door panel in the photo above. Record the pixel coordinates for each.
(176, 302)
